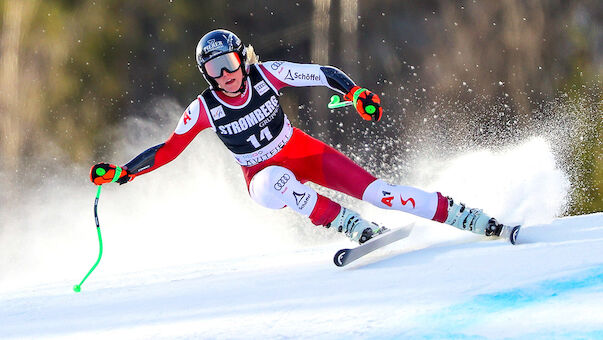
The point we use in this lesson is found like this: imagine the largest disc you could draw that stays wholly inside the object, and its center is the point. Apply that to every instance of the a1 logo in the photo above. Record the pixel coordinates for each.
(387, 199)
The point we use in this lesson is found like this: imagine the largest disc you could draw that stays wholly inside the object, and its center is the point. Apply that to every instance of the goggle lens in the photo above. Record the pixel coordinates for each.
(229, 62)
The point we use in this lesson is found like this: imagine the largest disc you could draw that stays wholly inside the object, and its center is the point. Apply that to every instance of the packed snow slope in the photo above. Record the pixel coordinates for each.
(453, 285)
(188, 255)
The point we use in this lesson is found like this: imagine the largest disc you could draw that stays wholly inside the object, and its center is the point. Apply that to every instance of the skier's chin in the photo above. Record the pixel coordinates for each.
(232, 87)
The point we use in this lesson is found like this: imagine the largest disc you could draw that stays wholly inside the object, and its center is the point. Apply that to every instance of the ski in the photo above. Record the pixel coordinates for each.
(510, 233)
(348, 255)
(345, 256)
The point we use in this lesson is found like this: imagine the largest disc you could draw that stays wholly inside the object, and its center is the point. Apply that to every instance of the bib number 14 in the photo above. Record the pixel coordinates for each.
(264, 135)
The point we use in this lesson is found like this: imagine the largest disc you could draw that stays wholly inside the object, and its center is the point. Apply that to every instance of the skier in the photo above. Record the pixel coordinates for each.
(241, 105)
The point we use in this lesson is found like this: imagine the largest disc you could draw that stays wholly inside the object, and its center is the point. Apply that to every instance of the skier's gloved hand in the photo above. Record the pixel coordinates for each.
(102, 173)
(366, 103)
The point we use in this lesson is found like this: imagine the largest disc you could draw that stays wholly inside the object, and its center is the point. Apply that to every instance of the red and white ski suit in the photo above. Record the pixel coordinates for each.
(277, 163)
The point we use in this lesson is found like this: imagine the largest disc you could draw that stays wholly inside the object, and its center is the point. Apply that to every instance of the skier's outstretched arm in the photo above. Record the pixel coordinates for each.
(193, 121)
(285, 74)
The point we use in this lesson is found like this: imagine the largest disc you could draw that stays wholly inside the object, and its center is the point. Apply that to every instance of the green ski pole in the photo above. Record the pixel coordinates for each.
(78, 287)
(337, 103)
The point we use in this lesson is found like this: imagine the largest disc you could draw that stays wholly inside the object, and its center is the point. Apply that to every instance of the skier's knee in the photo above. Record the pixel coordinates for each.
(275, 187)
(265, 186)
(378, 193)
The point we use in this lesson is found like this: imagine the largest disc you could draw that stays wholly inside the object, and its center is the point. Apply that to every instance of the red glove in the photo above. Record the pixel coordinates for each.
(102, 173)
(366, 103)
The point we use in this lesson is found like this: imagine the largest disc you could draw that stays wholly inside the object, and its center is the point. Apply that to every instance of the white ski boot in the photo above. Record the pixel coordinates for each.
(354, 226)
(476, 221)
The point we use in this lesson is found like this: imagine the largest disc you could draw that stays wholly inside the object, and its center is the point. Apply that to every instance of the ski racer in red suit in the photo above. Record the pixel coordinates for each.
(242, 107)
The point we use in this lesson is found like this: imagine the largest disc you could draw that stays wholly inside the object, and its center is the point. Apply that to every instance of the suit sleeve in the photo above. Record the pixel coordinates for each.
(285, 74)
(193, 120)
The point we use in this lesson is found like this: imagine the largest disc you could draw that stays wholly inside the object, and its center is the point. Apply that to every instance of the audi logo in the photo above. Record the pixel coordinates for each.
(282, 181)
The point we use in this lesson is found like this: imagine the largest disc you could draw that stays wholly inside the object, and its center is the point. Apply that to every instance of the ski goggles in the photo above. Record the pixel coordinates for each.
(229, 62)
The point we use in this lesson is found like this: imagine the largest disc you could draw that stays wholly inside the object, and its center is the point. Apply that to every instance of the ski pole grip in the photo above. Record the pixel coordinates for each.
(118, 171)
(336, 102)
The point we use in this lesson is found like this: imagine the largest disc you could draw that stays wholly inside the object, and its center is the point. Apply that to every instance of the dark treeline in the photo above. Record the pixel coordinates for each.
(469, 72)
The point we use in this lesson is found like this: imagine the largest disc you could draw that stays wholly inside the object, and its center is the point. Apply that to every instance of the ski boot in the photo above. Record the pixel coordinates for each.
(476, 221)
(355, 227)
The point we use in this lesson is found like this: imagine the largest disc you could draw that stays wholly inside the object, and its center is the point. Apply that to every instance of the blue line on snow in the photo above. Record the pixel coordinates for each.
(454, 320)
(544, 290)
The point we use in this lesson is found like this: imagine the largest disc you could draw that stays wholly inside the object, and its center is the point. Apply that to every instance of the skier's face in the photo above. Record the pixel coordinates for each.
(230, 82)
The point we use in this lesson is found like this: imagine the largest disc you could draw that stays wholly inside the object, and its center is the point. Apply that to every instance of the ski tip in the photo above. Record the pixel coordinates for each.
(340, 258)
(514, 233)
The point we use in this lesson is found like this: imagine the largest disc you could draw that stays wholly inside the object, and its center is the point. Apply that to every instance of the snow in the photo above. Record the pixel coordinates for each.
(179, 263)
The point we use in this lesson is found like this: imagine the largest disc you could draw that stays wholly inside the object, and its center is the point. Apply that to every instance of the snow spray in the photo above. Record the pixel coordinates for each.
(197, 208)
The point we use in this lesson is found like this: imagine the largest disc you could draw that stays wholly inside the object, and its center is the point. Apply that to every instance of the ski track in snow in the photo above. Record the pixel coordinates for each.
(170, 271)
(549, 286)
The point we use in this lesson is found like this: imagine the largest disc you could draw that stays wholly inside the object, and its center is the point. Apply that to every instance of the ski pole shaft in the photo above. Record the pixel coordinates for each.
(77, 287)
